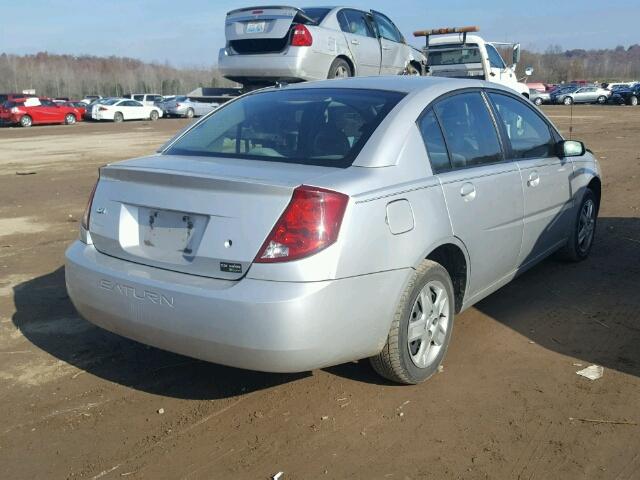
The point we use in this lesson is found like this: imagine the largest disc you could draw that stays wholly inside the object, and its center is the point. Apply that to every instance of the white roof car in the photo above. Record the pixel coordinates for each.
(120, 109)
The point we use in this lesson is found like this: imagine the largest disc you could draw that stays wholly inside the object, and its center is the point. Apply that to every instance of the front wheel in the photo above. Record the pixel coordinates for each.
(421, 328)
(340, 69)
(70, 119)
(633, 100)
(26, 121)
(567, 101)
(538, 101)
(583, 229)
(602, 99)
(153, 116)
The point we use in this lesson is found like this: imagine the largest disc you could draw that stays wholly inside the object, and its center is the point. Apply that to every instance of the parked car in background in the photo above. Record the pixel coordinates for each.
(148, 99)
(88, 115)
(265, 45)
(538, 86)
(34, 111)
(626, 95)
(539, 97)
(615, 85)
(590, 94)
(120, 109)
(90, 98)
(262, 236)
(79, 106)
(182, 106)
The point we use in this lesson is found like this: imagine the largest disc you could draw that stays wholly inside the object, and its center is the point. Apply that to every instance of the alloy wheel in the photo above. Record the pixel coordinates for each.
(428, 324)
(586, 225)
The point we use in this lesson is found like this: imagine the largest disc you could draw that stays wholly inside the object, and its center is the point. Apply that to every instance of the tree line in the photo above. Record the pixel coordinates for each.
(75, 76)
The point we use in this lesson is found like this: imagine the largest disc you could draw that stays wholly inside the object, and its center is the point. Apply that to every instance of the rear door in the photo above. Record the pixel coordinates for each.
(545, 177)
(482, 191)
(392, 43)
(362, 41)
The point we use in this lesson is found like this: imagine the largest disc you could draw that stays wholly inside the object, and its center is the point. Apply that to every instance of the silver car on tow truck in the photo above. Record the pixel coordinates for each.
(319, 223)
(266, 45)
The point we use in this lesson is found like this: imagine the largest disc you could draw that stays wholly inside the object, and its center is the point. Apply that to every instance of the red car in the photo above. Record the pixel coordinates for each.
(32, 111)
(80, 107)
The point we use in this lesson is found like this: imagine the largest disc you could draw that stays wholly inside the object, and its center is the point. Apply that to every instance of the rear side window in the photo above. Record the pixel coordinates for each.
(316, 14)
(469, 130)
(138, 97)
(528, 134)
(354, 21)
(434, 141)
(314, 126)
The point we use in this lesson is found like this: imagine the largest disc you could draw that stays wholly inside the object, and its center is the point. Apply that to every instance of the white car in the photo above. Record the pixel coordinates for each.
(149, 99)
(120, 109)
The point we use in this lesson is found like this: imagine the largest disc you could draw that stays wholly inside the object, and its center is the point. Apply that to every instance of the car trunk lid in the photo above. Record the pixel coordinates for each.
(202, 216)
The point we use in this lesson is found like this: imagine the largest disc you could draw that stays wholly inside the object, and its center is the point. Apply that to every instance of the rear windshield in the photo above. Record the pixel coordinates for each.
(314, 126)
(453, 55)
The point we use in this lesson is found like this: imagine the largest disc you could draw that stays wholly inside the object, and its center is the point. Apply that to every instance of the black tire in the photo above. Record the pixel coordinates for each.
(602, 100)
(153, 116)
(567, 100)
(537, 101)
(395, 361)
(633, 101)
(117, 117)
(26, 121)
(575, 250)
(69, 119)
(190, 113)
(340, 69)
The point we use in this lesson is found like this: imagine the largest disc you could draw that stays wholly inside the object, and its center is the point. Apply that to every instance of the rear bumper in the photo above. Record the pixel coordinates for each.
(296, 64)
(253, 324)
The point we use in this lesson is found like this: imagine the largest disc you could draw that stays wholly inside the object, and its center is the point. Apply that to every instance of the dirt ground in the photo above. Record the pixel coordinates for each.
(77, 402)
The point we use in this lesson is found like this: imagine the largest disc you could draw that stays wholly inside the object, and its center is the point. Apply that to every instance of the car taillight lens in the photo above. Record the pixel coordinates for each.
(301, 37)
(310, 223)
(86, 216)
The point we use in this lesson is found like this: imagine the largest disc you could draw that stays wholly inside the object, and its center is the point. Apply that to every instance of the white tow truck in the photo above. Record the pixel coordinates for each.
(457, 53)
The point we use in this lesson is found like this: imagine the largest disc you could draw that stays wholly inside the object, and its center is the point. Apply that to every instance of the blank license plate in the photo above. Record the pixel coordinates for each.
(166, 230)
(255, 27)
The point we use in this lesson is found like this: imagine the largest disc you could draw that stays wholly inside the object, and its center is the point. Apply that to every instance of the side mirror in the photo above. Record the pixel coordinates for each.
(570, 148)
(516, 54)
(528, 71)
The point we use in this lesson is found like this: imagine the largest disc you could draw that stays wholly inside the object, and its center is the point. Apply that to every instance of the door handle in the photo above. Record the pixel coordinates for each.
(534, 179)
(386, 48)
(468, 192)
(355, 42)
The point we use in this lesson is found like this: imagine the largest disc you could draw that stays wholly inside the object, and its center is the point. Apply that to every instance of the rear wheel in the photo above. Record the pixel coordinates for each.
(421, 327)
(602, 99)
(117, 117)
(537, 101)
(633, 100)
(70, 119)
(583, 230)
(153, 116)
(340, 69)
(189, 113)
(567, 101)
(26, 121)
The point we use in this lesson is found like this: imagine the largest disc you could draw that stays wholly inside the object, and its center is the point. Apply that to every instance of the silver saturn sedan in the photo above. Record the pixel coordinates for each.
(314, 224)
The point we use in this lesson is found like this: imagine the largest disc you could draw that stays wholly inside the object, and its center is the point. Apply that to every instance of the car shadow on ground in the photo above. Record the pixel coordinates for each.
(588, 310)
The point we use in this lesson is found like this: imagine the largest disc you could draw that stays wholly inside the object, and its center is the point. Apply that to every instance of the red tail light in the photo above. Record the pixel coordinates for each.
(310, 223)
(87, 211)
(301, 37)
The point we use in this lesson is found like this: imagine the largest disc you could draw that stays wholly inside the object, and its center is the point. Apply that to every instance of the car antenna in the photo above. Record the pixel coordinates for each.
(570, 121)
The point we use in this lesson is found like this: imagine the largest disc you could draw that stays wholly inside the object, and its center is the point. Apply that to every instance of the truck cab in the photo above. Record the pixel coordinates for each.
(458, 53)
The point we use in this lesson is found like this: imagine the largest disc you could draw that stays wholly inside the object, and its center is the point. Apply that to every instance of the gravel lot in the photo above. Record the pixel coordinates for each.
(79, 402)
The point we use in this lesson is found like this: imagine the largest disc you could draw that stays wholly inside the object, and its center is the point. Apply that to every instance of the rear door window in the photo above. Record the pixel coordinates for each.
(469, 131)
(528, 134)
(315, 126)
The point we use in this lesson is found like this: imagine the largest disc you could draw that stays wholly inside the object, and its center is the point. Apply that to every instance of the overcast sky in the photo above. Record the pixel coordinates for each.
(190, 32)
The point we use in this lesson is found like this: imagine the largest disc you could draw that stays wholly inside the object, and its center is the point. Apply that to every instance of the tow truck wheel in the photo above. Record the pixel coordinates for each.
(340, 69)
(568, 101)
(26, 121)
